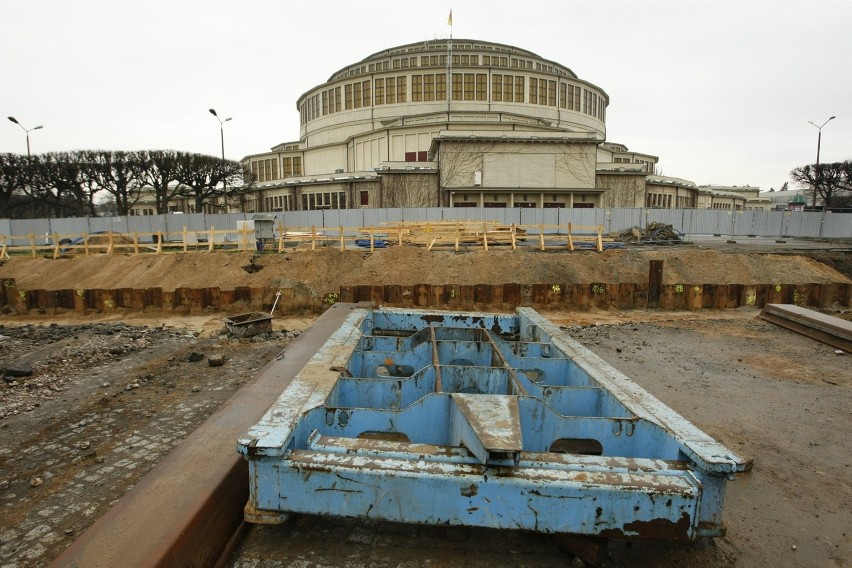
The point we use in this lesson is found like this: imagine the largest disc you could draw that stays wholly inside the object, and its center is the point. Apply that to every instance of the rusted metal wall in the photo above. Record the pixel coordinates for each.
(507, 296)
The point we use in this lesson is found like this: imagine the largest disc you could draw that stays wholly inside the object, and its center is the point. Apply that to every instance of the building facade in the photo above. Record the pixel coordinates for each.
(459, 123)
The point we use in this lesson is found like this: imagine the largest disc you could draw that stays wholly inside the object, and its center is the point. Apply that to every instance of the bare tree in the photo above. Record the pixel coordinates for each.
(831, 182)
(458, 159)
(405, 189)
(579, 161)
(120, 175)
(623, 190)
(160, 170)
(205, 177)
(15, 174)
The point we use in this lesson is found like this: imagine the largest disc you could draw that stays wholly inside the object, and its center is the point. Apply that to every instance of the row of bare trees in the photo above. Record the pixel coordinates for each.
(831, 183)
(80, 183)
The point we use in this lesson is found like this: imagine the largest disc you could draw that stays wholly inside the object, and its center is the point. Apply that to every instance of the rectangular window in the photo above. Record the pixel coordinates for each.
(342, 199)
(486, 60)
(288, 167)
(519, 89)
(497, 88)
(422, 156)
(441, 87)
(563, 95)
(457, 86)
(367, 95)
(533, 90)
(428, 87)
(416, 88)
(469, 93)
(356, 88)
(379, 90)
(401, 89)
(390, 90)
(551, 93)
(347, 93)
(411, 156)
(365, 198)
(297, 166)
(576, 98)
(337, 107)
(254, 174)
(274, 168)
(481, 87)
(325, 103)
(508, 89)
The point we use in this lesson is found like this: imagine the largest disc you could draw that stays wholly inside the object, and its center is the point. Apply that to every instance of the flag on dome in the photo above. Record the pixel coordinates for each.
(450, 19)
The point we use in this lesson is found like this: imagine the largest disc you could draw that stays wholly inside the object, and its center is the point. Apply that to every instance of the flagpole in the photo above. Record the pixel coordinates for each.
(450, 68)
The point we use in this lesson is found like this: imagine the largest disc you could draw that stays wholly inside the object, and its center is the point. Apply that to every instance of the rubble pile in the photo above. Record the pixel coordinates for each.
(654, 233)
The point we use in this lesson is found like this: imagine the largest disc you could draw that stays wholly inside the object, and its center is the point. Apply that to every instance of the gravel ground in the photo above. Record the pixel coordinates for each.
(769, 394)
(104, 403)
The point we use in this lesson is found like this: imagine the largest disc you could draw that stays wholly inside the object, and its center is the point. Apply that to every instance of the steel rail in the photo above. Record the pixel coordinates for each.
(827, 329)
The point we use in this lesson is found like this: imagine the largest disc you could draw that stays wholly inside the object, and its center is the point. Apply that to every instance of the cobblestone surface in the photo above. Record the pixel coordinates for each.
(104, 404)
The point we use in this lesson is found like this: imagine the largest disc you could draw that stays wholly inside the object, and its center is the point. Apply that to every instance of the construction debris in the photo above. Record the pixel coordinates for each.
(654, 234)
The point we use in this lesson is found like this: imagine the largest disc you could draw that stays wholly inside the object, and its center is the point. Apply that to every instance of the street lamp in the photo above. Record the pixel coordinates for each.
(816, 170)
(15, 120)
(221, 129)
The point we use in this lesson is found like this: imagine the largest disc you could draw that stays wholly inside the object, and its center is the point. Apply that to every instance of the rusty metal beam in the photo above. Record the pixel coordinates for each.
(827, 329)
(188, 508)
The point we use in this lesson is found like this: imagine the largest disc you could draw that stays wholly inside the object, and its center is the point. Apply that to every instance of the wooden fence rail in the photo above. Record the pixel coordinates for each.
(431, 235)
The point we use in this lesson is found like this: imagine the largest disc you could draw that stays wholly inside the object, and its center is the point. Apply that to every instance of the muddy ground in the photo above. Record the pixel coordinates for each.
(108, 397)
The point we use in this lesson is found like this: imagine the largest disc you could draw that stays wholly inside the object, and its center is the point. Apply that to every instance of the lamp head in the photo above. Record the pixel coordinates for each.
(213, 112)
(227, 119)
(37, 127)
(13, 119)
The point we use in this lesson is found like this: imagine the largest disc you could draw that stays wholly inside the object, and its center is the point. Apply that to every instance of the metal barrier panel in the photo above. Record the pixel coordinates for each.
(22, 228)
(71, 227)
(837, 225)
(348, 218)
(673, 217)
(810, 224)
(415, 215)
(303, 219)
(621, 219)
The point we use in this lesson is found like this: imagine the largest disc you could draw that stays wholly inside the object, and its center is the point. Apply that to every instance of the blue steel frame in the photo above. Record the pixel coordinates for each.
(478, 419)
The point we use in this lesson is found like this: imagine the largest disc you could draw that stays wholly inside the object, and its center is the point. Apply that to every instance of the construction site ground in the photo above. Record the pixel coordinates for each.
(109, 396)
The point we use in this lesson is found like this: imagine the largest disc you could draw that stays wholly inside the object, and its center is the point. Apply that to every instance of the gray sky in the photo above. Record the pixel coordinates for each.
(721, 91)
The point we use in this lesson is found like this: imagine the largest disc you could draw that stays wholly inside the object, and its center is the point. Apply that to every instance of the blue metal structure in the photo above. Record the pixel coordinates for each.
(478, 419)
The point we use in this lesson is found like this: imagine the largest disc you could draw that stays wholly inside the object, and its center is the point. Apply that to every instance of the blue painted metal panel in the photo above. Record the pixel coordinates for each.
(493, 412)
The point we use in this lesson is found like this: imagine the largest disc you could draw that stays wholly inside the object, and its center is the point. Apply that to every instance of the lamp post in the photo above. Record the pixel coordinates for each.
(221, 129)
(816, 170)
(28, 130)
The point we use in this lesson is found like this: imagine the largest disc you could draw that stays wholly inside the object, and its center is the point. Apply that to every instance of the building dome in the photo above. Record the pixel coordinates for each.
(488, 83)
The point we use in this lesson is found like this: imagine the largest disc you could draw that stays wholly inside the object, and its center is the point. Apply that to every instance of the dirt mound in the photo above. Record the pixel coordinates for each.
(326, 270)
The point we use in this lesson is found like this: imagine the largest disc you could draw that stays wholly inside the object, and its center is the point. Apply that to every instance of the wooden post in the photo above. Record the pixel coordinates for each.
(600, 238)
(86, 244)
(56, 249)
(135, 242)
(541, 237)
(485, 236)
(32, 245)
(570, 243)
(159, 242)
(314, 237)
(514, 243)
(655, 282)
(372, 241)
(211, 238)
(342, 245)
(184, 237)
(109, 243)
(399, 235)
(244, 231)
(458, 231)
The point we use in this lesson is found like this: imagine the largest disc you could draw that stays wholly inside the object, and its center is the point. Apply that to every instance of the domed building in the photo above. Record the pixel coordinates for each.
(451, 123)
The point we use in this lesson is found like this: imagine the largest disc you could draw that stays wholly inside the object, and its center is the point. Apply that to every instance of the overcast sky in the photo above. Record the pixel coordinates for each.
(721, 91)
